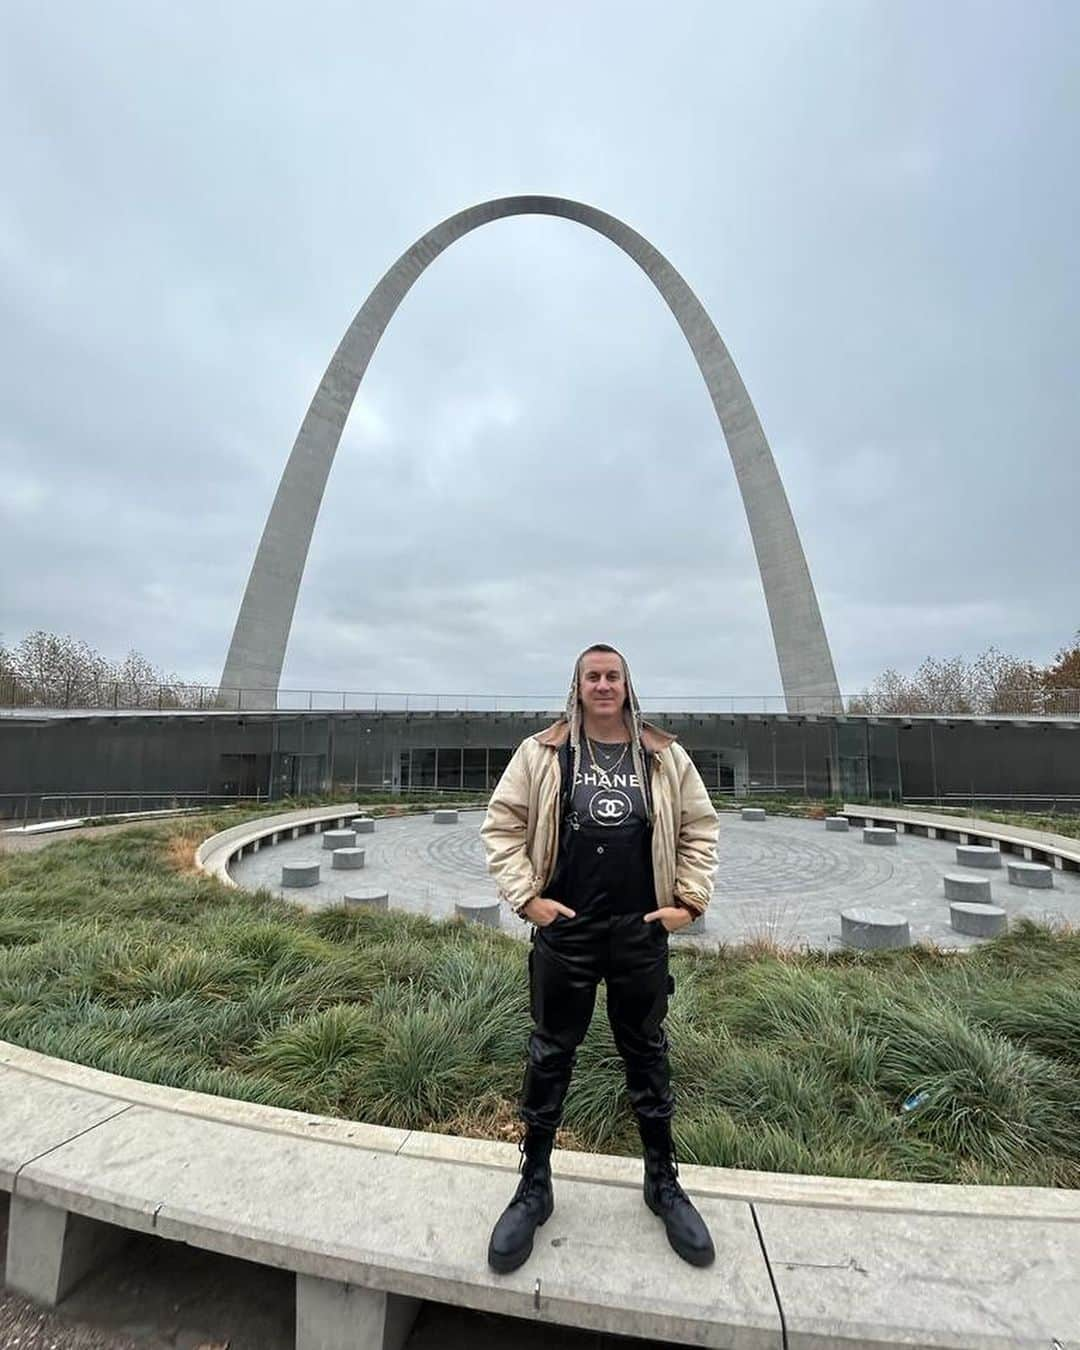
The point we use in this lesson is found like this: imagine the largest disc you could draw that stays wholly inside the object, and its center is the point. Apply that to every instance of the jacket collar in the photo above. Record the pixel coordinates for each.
(652, 738)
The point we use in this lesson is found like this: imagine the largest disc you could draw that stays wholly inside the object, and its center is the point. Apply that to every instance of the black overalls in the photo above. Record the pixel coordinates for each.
(606, 877)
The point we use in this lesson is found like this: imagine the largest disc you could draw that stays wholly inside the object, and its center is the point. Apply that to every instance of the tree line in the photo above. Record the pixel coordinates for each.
(51, 670)
(54, 670)
(993, 682)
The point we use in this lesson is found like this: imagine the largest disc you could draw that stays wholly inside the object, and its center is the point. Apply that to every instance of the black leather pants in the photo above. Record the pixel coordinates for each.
(609, 885)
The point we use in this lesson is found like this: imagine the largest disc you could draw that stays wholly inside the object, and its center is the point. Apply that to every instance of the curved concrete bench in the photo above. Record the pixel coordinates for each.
(977, 920)
(840, 824)
(753, 813)
(335, 839)
(1057, 850)
(300, 874)
(214, 855)
(874, 929)
(371, 1219)
(978, 855)
(973, 890)
(1036, 876)
(874, 834)
(479, 909)
(348, 857)
(370, 897)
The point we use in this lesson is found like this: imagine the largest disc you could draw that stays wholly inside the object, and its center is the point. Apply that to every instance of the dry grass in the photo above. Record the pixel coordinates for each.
(180, 853)
(496, 1117)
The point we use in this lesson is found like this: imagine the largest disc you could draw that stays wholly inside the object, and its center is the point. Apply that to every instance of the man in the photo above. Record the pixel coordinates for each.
(601, 834)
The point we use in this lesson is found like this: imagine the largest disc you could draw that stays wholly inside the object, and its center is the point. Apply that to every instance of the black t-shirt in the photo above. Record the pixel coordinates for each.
(607, 792)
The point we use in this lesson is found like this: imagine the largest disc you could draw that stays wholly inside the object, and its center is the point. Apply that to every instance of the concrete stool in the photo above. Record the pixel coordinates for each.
(371, 898)
(753, 813)
(874, 929)
(348, 857)
(1035, 875)
(300, 874)
(877, 834)
(840, 824)
(334, 839)
(479, 909)
(362, 825)
(978, 920)
(977, 855)
(445, 817)
(973, 890)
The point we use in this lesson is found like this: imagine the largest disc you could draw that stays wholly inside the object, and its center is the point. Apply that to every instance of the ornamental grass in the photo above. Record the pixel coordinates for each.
(115, 953)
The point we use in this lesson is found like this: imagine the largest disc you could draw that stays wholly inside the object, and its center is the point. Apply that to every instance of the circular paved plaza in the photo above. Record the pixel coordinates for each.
(783, 879)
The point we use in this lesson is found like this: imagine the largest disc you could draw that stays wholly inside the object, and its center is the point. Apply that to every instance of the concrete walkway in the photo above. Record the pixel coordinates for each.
(784, 879)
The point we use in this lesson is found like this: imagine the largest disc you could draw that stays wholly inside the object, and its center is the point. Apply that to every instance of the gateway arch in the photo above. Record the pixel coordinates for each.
(257, 651)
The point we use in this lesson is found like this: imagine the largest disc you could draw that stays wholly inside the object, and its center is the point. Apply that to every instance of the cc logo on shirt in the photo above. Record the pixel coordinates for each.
(610, 807)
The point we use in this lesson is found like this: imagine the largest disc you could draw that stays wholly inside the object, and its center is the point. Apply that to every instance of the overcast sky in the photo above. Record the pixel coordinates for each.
(876, 202)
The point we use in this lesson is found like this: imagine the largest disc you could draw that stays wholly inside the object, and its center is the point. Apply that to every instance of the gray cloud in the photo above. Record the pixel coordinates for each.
(876, 204)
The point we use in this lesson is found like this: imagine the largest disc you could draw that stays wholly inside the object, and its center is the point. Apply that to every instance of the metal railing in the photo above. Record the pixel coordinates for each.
(26, 806)
(1030, 803)
(120, 696)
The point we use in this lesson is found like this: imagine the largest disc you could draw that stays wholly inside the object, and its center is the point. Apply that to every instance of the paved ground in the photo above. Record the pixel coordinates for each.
(158, 1295)
(785, 879)
(12, 841)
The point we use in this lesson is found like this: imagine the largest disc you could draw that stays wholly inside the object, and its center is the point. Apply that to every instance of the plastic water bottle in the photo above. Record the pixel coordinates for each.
(913, 1102)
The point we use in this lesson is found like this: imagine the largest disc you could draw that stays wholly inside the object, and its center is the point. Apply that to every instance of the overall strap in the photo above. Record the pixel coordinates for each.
(566, 771)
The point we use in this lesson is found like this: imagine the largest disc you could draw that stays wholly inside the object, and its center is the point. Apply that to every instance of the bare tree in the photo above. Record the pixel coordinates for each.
(12, 693)
(141, 684)
(993, 682)
(58, 671)
(1004, 684)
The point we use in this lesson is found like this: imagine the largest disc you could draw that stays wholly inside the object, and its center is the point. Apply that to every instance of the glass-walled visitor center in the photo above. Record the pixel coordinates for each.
(47, 758)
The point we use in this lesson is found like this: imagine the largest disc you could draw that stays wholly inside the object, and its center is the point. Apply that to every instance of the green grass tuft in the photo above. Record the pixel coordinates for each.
(113, 955)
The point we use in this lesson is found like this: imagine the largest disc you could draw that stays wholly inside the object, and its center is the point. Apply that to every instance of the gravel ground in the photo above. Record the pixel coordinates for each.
(24, 1327)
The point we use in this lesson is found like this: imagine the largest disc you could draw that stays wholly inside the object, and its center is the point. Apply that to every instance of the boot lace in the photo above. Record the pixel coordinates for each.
(532, 1184)
(666, 1180)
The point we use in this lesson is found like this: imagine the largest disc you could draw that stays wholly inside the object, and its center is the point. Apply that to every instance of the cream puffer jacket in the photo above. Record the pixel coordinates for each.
(521, 828)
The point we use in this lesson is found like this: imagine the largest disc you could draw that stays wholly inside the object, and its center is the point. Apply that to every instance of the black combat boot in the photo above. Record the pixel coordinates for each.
(512, 1238)
(686, 1229)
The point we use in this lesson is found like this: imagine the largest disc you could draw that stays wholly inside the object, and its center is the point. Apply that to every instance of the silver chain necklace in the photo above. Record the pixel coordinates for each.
(612, 769)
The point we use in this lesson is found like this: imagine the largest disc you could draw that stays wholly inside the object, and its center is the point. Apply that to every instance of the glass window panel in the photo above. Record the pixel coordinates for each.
(497, 762)
(474, 770)
(707, 764)
(423, 768)
(449, 768)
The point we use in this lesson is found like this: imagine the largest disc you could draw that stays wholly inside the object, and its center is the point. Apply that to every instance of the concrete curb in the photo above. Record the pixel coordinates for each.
(371, 1220)
(1059, 850)
(999, 1202)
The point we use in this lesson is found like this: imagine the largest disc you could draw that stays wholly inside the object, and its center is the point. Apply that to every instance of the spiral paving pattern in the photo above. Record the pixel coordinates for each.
(785, 880)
